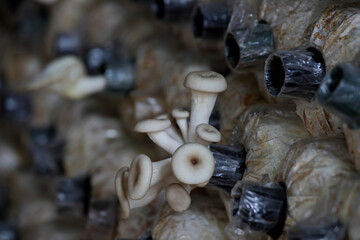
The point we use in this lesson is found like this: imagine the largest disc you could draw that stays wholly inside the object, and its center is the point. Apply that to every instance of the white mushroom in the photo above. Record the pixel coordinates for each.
(120, 186)
(181, 117)
(145, 176)
(204, 85)
(178, 197)
(192, 164)
(127, 203)
(207, 134)
(67, 76)
(156, 130)
(171, 131)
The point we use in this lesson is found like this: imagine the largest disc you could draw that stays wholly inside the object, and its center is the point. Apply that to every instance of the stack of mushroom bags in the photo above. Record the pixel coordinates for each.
(102, 90)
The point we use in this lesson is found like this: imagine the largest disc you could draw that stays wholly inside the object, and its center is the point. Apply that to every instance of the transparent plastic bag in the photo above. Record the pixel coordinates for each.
(335, 28)
(267, 132)
(242, 92)
(205, 219)
(310, 167)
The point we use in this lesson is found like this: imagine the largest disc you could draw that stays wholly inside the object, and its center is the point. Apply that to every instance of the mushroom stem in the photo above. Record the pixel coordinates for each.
(171, 131)
(204, 85)
(181, 117)
(163, 140)
(201, 108)
(156, 130)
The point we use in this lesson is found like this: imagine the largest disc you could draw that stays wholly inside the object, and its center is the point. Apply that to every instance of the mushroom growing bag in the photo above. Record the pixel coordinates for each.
(267, 132)
(310, 167)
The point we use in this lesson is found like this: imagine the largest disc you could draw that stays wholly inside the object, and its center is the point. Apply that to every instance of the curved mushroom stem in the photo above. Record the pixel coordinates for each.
(163, 140)
(201, 108)
(122, 184)
(171, 131)
(204, 85)
(181, 117)
(156, 130)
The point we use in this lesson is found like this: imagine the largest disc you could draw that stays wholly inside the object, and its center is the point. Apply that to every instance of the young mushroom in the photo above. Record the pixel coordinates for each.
(207, 134)
(145, 175)
(67, 77)
(181, 117)
(193, 163)
(156, 130)
(178, 197)
(204, 85)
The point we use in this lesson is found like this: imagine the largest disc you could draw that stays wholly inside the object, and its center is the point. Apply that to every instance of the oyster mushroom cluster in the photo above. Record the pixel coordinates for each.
(191, 163)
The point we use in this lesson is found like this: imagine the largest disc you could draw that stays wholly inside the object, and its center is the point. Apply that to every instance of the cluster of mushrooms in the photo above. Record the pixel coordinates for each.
(191, 163)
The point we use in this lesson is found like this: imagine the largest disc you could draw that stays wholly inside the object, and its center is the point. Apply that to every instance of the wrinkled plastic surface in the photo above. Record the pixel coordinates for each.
(242, 90)
(331, 229)
(259, 208)
(86, 139)
(334, 28)
(210, 20)
(267, 132)
(340, 93)
(311, 167)
(205, 219)
(248, 46)
(352, 139)
(173, 10)
(294, 73)
(335, 215)
(317, 120)
(229, 166)
(299, 13)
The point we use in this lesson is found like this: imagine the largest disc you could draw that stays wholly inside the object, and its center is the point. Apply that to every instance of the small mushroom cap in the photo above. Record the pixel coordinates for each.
(177, 197)
(208, 133)
(140, 175)
(162, 116)
(205, 81)
(193, 163)
(152, 125)
(180, 113)
(120, 186)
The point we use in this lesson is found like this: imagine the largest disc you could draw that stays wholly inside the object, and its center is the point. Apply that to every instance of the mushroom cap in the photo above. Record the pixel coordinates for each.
(180, 113)
(205, 81)
(162, 116)
(208, 133)
(140, 175)
(193, 163)
(177, 197)
(152, 125)
(120, 186)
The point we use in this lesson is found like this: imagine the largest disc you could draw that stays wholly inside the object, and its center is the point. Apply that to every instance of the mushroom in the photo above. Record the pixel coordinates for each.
(145, 174)
(207, 134)
(156, 130)
(181, 117)
(120, 186)
(171, 131)
(178, 197)
(127, 203)
(67, 77)
(193, 163)
(204, 85)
